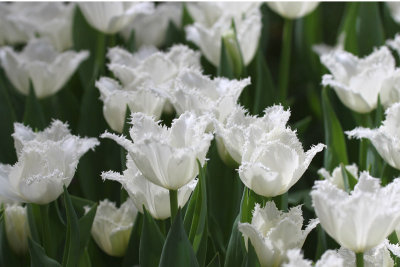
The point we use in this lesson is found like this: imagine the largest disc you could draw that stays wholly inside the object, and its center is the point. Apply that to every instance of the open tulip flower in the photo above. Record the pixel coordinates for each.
(274, 161)
(385, 138)
(361, 219)
(47, 161)
(144, 193)
(167, 157)
(273, 232)
(234, 131)
(358, 82)
(139, 73)
(112, 226)
(39, 62)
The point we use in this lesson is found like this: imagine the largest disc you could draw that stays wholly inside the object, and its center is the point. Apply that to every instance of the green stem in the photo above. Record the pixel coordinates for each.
(285, 60)
(360, 259)
(173, 202)
(46, 238)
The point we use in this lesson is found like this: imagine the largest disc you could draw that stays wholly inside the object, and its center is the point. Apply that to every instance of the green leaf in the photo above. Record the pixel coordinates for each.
(196, 214)
(264, 89)
(72, 243)
(33, 114)
(349, 180)
(249, 200)
(39, 257)
(225, 68)
(177, 250)
(335, 153)
(85, 226)
(84, 260)
(251, 258)
(131, 45)
(235, 251)
(151, 242)
(214, 261)
(33, 213)
(348, 27)
(7, 119)
(370, 31)
(174, 35)
(379, 113)
(132, 252)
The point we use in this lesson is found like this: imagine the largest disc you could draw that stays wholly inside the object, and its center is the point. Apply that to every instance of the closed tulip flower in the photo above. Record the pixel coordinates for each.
(273, 162)
(139, 72)
(361, 219)
(144, 193)
(47, 162)
(385, 138)
(293, 10)
(17, 228)
(212, 21)
(358, 82)
(39, 62)
(272, 233)
(167, 157)
(111, 17)
(112, 226)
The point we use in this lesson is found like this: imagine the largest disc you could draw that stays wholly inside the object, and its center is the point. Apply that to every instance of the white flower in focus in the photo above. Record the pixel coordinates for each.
(17, 228)
(20, 22)
(233, 132)
(143, 192)
(213, 20)
(273, 162)
(273, 232)
(167, 156)
(337, 178)
(296, 259)
(112, 226)
(42, 64)
(358, 82)
(141, 74)
(151, 29)
(47, 161)
(386, 138)
(362, 219)
(293, 10)
(111, 17)
(195, 92)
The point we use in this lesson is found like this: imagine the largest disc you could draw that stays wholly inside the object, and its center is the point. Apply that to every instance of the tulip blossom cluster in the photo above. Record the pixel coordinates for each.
(208, 128)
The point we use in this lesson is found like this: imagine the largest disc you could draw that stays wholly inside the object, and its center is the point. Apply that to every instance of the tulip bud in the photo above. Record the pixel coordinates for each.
(17, 228)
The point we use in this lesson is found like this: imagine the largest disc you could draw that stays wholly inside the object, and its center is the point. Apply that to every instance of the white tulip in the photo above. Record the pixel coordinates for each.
(20, 22)
(337, 178)
(214, 20)
(386, 138)
(362, 219)
(17, 228)
(274, 161)
(151, 29)
(167, 156)
(234, 131)
(358, 82)
(111, 17)
(375, 257)
(195, 92)
(141, 74)
(293, 10)
(112, 226)
(273, 232)
(143, 192)
(42, 64)
(47, 161)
